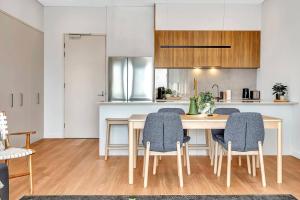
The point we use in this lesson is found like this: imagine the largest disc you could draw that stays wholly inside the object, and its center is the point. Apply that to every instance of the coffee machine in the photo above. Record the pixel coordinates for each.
(161, 93)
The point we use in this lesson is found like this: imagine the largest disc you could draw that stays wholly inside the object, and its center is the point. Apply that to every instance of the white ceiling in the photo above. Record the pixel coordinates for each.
(103, 3)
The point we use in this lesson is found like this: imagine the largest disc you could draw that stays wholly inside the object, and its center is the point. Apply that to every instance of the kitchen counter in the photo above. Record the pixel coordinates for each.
(284, 111)
(179, 102)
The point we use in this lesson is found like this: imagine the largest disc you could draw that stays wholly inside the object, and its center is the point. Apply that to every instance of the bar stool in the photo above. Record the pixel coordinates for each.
(108, 145)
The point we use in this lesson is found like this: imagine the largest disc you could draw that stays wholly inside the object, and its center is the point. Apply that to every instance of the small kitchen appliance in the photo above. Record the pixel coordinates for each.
(255, 95)
(161, 93)
(246, 93)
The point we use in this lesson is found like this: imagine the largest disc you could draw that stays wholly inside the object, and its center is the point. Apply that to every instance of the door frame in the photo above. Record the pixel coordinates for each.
(105, 70)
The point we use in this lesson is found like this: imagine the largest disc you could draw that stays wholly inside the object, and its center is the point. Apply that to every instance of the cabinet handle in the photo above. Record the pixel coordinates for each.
(21, 97)
(12, 100)
(38, 98)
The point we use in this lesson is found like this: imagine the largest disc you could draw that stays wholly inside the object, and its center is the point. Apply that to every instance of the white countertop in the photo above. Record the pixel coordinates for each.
(175, 102)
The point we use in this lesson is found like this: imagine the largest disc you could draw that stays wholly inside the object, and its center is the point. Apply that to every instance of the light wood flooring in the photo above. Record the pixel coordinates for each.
(72, 166)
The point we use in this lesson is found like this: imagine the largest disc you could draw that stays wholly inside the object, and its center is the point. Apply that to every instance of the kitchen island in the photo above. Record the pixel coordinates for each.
(119, 134)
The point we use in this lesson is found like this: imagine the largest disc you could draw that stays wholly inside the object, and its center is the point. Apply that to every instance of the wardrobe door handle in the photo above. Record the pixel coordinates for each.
(12, 100)
(38, 98)
(22, 98)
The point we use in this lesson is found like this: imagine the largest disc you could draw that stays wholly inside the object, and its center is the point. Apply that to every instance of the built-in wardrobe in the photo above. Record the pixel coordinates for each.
(21, 76)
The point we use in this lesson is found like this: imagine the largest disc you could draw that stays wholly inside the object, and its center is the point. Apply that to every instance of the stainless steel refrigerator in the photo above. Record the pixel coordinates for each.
(130, 79)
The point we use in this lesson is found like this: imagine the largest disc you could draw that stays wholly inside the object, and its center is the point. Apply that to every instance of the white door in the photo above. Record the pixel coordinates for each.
(85, 60)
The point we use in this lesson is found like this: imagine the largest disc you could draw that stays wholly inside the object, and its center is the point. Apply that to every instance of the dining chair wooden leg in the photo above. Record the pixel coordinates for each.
(144, 162)
(212, 152)
(107, 140)
(154, 165)
(229, 164)
(220, 162)
(159, 157)
(240, 161)
(146, 165)
(248, 165)
(183, 154)
(216, 157)
(30, 173)
(253, 165)
(188, 165)
(179, 165)
(262, 166)
(257, 161)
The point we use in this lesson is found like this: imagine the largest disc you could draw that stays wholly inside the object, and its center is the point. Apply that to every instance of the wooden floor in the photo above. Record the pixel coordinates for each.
(68, 166)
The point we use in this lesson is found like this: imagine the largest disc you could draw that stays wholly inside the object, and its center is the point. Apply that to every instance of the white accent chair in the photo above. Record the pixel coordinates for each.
(8, 153)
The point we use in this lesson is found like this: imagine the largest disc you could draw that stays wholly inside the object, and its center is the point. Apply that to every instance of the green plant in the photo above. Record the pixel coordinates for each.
(169, 91)
(205, 99)
(279, 89)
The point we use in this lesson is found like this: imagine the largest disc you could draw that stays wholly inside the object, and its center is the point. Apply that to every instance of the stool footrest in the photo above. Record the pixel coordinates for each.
(198, 146)
(118, 146)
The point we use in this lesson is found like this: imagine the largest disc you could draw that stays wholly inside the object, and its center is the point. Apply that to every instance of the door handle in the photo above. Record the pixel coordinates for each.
(21, 99)
(101, 95)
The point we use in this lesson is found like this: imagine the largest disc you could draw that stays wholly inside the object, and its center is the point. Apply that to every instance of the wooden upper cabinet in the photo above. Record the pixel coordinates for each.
(163, 56)
(182, 57)
(207, 52)
(244, 51)
(188, 49)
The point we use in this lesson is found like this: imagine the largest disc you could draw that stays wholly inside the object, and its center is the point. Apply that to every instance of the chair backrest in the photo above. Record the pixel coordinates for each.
(163, 130)
(223, 111)
(179, 111)
(3, 130)
(244, 130)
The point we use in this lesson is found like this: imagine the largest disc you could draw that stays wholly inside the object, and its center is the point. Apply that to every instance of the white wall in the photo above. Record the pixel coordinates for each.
(28, 11)
(208, 16)
(129, 33)
(280, 56)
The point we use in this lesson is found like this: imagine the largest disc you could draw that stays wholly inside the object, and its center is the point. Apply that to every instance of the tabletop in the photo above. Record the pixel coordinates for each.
(214, 117)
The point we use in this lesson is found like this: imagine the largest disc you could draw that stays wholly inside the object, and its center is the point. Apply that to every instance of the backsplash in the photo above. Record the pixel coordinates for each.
(181, 80)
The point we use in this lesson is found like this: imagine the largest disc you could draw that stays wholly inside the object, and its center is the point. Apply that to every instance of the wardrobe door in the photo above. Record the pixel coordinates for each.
(37, 87)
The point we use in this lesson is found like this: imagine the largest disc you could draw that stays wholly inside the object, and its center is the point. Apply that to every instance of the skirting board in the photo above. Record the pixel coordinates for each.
(296, 155)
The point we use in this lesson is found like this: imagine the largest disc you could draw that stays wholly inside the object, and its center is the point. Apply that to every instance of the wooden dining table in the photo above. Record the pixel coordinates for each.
(137, 121)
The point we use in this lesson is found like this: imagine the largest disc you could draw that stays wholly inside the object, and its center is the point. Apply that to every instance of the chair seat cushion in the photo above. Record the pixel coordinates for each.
(11, 153)
(186, 139)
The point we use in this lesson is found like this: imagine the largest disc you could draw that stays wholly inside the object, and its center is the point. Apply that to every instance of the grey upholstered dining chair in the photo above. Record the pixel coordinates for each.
(162, 136)
(216, 132)
(186, 138)
(244, 135)
(4, 183)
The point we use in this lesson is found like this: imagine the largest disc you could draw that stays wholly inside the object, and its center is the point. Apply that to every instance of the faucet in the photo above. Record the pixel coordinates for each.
(218, 91)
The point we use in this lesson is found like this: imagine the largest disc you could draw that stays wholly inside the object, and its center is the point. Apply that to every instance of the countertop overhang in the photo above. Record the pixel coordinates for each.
(187, 102)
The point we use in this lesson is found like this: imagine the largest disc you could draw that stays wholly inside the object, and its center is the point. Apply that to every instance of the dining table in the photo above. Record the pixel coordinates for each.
(205, 122)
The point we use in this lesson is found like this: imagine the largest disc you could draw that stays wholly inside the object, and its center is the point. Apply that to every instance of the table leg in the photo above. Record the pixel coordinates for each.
(130, 152)
(279, 153)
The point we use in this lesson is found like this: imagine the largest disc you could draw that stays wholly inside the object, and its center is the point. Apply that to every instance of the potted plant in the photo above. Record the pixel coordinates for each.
(279, 90)
(206, 103)
(168, 93)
